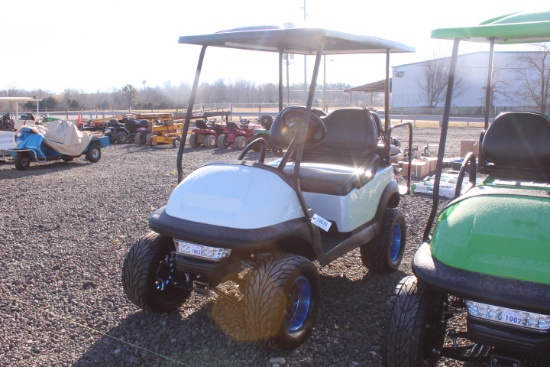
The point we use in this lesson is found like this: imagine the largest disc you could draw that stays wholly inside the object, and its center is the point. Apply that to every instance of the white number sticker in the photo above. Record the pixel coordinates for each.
(511, 317)
(196, 250)
(321, 223)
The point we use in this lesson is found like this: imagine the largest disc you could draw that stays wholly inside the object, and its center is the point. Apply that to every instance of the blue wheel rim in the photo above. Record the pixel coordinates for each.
(299, 302)
(395, 245)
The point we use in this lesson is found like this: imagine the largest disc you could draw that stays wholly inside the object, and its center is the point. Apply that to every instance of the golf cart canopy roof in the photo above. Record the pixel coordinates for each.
(302, 41)
(521, 27)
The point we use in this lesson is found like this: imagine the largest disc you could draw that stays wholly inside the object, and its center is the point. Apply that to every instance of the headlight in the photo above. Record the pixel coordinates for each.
(205, 252)
(531, 320)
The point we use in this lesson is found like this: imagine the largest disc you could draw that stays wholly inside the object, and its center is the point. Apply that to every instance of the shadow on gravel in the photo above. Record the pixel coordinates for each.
(38, 169)
(349, 329)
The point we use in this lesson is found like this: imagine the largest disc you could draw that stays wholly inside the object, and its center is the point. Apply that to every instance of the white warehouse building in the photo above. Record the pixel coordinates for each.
(408, 81)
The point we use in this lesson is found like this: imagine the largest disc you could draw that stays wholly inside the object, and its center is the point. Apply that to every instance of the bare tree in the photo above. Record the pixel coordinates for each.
(532, 71)
(433, 81)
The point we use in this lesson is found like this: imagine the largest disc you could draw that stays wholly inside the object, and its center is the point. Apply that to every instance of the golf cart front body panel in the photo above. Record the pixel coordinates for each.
(228, 195)
(515, 243)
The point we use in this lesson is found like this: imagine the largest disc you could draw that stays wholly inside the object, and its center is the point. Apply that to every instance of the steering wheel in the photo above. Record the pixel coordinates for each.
(289, 122)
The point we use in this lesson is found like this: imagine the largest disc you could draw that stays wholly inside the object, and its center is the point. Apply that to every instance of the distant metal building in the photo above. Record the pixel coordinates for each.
(408, 82)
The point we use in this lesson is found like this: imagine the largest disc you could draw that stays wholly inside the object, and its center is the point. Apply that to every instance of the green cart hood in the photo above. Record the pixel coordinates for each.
(499, 234)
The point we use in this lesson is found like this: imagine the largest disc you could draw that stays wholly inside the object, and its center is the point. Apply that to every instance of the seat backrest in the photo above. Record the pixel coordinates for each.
(518, 141)
(201, 124)
(232, 125)
(351, 138)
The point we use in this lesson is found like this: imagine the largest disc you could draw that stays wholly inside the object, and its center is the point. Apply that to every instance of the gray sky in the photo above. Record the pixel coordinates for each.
(103, 45)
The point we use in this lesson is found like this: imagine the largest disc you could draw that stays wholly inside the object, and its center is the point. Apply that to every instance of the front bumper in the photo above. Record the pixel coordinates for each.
(242, 240)
(493, 290)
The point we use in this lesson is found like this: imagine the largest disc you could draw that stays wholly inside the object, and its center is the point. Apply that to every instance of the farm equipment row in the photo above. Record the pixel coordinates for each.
(163, 128)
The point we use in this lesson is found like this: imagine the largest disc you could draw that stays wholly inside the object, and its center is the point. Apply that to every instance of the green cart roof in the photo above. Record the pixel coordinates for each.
(296, 40)
(521, 27)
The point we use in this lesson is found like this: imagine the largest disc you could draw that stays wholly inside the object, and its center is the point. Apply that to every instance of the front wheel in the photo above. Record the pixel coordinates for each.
(193, 140)
(121, 137)
(384, 253)
(22, 161)
(176, 142)
(416, 325)
(281, 300)
(222, 141)
(149, 139)
(94, 153)
(239, 143)
(148, 276)
(210, 141)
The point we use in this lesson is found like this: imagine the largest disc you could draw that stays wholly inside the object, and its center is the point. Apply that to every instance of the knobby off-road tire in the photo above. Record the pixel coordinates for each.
(415, 329)
(94, 153)
(384, 253)
(281, 301)
(144, 268)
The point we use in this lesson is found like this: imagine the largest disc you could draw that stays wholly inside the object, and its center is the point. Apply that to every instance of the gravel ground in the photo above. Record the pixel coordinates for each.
(66, 228)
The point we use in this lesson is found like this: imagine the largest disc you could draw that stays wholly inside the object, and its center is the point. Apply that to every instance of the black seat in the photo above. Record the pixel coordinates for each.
(201, 124)
(350, 146)
(231, 125)
(517, 146)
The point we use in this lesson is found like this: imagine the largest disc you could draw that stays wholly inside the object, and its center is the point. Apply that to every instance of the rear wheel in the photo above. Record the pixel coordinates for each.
(239, 143)
(222, 141)
(193, 140)
(210, 141)
(281, 300)
(22, 161)
(176, 142)
(149, 139)
(94, 153)
(416, 325)
(121, 137)
(148, 276)
(138, 139)
(384, 253)
(67, 158)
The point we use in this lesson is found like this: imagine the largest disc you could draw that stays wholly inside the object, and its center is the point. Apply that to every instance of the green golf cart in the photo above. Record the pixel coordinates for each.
(481, 285)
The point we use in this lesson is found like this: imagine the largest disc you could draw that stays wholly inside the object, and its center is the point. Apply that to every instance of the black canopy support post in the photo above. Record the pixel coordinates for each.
(303, 130)
(489, 88)
(281, 80)
(189, 114)
(387, 96)
(442, 140)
